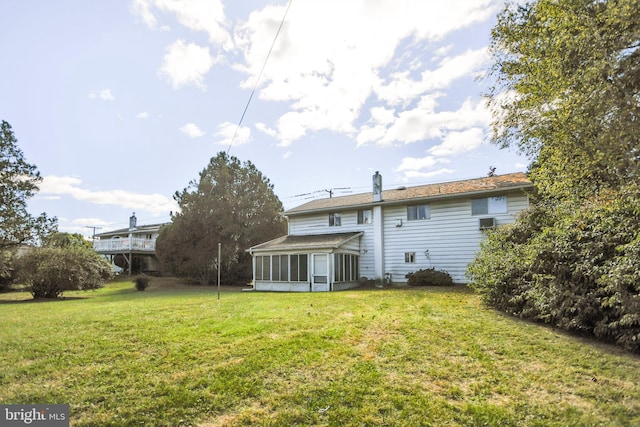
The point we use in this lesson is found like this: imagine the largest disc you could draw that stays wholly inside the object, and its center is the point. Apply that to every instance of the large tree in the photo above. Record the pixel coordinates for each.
(231, 203)
(18, 183)
(567, 92)
(568, 95)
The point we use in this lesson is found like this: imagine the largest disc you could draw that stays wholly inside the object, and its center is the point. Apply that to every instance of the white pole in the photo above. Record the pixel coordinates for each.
(219, 265)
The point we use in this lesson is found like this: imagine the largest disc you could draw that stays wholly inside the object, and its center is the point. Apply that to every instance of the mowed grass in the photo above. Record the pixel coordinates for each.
(408, 357)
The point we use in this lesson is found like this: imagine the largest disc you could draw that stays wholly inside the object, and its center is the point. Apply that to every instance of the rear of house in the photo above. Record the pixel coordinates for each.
(335, 243)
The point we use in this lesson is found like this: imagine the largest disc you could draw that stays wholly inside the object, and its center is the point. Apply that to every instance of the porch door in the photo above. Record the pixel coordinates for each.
(319, 273)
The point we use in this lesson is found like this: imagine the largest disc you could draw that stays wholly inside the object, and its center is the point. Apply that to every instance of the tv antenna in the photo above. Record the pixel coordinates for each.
(93, 237)
(331, 191)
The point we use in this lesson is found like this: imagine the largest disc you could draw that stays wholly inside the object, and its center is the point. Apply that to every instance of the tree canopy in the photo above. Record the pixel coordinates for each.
(18, 183)
(231, 203)
(567, 92)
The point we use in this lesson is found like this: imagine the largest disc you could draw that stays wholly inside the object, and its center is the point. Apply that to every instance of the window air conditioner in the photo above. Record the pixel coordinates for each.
(486, 223)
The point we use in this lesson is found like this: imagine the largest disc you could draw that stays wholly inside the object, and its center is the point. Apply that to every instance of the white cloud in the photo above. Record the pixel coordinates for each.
(192, 130)
(67, 185)
(458, 142)
(403, 88)
(97, 222)
(142, 115)
(104, 95)
(327, 80)
(186, 64)
(423, 122)
(197, 15)
(416, 175)
(227, 130)
(413, 163)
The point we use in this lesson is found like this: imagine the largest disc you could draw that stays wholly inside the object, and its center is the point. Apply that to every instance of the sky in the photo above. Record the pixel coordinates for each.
(121, 103)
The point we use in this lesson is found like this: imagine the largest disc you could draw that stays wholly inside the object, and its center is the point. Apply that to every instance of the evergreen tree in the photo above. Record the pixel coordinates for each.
(232, 204)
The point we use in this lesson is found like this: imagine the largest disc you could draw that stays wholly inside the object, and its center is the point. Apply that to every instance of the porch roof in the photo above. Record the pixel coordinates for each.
(305, 242)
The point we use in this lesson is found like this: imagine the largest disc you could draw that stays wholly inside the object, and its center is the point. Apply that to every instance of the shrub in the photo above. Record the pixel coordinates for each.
(575, 266)
(429, 277)
(48, 272)
(142, 282)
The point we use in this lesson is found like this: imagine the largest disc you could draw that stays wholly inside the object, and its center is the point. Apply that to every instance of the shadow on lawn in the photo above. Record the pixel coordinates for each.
(32, 300)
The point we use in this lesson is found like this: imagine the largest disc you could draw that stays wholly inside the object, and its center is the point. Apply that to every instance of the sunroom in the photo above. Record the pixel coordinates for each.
(308, 263)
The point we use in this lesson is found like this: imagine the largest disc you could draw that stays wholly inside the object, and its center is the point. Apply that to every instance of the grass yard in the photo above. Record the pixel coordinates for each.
(175, 355)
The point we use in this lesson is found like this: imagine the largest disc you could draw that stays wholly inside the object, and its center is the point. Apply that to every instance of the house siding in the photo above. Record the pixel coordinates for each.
(451, 236)
(319, 224)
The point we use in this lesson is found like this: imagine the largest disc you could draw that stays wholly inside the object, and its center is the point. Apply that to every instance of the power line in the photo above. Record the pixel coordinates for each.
(259, 76)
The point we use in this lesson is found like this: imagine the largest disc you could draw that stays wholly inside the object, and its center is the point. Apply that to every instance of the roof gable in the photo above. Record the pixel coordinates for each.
(423, 192)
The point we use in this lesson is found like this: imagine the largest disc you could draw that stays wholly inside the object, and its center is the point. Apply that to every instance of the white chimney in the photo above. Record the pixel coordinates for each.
(377, 187)
(133, 222)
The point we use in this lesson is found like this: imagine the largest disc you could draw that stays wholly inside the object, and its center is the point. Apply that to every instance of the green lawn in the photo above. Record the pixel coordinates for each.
(178, 356)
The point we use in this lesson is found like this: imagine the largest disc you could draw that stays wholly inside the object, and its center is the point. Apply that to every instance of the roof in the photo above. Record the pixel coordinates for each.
(138, 229)
(307, 242)
(469, 187)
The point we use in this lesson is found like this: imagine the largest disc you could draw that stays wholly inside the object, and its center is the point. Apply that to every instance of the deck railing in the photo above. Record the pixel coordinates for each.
(125, 244)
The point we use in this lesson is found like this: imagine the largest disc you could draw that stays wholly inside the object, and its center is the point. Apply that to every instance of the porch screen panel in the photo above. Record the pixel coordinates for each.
(303, 275)
(284, 268)
(293, 260)
(259, 268)
(266, 268)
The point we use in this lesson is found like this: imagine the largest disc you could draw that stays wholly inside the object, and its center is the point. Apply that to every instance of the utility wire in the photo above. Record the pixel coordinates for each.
(259, 76)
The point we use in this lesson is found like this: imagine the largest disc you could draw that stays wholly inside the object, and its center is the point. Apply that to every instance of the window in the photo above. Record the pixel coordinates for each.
(410, 257)
(364, 216)
(489, 205)
(282, 268)
(335, 220)
(417, 212)
(346, 267)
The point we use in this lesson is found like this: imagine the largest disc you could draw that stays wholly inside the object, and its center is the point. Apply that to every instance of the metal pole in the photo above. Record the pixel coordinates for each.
(219, 265)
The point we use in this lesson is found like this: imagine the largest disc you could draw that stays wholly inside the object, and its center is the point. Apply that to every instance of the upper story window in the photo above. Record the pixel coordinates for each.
(364, 216)
(417, 212)
(489, 205)
(335, 220)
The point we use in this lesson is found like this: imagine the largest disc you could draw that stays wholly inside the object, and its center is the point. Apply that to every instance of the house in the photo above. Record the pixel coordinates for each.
(131, 249)
(334, 243)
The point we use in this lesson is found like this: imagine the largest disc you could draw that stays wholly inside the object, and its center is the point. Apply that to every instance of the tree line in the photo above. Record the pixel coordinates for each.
(232, 204)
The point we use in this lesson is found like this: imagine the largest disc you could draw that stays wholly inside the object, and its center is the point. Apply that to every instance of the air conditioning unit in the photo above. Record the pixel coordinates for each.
(487, 223)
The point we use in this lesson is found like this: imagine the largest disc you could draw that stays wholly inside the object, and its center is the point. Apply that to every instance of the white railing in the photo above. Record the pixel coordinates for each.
(126, 244)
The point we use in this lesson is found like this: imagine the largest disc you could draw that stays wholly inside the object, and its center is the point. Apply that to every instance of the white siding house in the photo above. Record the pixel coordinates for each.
(130, 249)
(387, 234)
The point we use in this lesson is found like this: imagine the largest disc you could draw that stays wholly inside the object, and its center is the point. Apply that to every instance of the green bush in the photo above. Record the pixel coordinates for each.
(142, 282)
(575, 266)
(50, 271)
(429, 277)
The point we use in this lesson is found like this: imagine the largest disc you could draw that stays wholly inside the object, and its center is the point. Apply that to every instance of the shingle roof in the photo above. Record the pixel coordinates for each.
(309, 242)
(423, 192)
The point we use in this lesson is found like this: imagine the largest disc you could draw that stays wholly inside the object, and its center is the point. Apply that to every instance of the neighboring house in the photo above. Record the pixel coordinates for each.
(333, 243)
(131, 249)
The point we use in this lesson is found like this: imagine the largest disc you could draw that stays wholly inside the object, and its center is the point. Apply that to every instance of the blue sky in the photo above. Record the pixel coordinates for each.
(120, 104)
